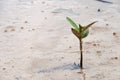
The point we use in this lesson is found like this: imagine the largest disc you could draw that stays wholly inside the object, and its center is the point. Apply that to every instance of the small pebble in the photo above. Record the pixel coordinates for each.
(26, 22)
(12, 66)
(29, 30)
(87, 42)
(45, 18)
(43, 2)
(65, 37)
(4, 68)
(94, 44)
(114, 33)
(31, 47)
(42, 11)
(112, 16)
(70, 47)
(5, 30)
(98, 51)
(22, 27)
(98, 10)
(98, 44)
(86, 7)
(12, 29)
(107, 24)
(116, 57)
(32, 2)
(62, 57)
(33, 29)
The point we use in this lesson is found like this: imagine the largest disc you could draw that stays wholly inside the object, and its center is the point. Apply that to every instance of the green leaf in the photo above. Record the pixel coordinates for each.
(82, 32)
(73, 23)
(85, 33)
(89, 25)
(80, 27)
(85, 30)
(76, 33)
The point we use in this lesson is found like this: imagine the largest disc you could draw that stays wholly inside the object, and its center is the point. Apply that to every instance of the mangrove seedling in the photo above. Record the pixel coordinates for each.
(80, 32)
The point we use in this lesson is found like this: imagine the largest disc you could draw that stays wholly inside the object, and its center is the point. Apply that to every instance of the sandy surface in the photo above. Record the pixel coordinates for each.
(36, 42)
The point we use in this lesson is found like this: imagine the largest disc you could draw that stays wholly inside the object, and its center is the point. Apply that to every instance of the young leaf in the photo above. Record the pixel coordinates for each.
(80, 27)
(85, 33)
(89, 25)
(76, 33)
(85, 30)
(73, 23)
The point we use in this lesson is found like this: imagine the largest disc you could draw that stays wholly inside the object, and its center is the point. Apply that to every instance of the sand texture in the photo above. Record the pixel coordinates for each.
(36, 42)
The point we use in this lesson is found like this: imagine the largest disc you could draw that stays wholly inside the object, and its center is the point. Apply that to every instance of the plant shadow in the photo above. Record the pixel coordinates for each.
(71, 66)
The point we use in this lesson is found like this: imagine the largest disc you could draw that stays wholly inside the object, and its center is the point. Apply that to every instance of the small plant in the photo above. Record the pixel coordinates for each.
(80, 32)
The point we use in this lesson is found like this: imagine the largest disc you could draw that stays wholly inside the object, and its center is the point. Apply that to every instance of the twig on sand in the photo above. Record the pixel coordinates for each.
(105, 1)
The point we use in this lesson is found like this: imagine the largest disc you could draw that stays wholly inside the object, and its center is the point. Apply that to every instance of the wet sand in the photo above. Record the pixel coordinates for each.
(36, 42)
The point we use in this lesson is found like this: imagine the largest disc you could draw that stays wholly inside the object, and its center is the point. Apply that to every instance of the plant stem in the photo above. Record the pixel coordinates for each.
(81, 55)
(81, 52)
